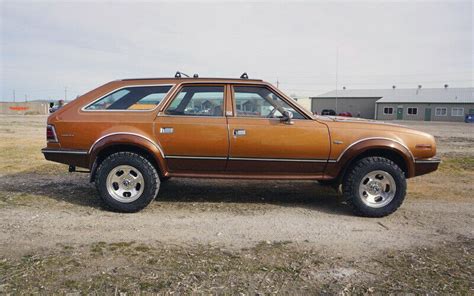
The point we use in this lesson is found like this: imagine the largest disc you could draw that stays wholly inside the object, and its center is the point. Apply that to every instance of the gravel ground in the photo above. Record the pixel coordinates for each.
(303, 237)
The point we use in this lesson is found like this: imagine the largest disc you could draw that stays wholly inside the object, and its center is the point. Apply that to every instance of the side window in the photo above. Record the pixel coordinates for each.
(254, 101)
(198, 101)
(132, 98)
(388, 110)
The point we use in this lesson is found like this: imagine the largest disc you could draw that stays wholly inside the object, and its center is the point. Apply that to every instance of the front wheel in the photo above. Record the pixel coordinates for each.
(127, 182)
(374, 187)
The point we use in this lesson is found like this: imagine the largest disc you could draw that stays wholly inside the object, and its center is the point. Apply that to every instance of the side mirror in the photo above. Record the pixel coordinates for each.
(287, 117)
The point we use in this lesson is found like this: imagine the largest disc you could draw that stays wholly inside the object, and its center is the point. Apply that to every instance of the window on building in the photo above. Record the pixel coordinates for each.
(198, 101)
(254, 101)
(132, 98)
(457, 111)
(412, 111)
(388, 110)
(441, 111)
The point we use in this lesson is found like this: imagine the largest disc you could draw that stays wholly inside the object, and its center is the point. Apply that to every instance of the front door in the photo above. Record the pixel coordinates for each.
(192, 129)
(427, 114)
(260, 142)
(400, 113)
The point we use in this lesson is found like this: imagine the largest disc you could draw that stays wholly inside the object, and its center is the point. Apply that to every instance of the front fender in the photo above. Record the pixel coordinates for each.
(335, 167)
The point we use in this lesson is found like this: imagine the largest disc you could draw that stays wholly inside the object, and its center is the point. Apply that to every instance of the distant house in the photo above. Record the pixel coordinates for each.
(437, 104)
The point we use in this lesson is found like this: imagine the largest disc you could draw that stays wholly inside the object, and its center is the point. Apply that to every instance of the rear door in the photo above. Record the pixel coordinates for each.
(192, 129)
(261, 143)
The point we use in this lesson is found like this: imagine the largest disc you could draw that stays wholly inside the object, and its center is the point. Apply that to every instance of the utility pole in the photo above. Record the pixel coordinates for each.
(14, 99)
(278, 83)
(337, 73)
(26, 98)
(65, 94)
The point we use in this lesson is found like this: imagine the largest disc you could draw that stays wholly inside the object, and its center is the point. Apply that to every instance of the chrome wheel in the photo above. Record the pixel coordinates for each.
(377, 189)
(125, 183)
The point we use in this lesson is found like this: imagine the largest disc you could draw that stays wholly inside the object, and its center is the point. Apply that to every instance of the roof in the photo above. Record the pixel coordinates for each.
(408, 95)
(192, 79)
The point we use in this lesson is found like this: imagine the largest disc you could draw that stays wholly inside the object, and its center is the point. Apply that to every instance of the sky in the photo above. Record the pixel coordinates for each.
(307, 47)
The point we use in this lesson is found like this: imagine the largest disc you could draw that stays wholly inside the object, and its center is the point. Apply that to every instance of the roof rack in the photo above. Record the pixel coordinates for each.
(179, 74)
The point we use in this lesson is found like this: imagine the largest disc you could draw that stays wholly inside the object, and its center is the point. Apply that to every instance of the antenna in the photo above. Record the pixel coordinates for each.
(179, 74)
(244, 76)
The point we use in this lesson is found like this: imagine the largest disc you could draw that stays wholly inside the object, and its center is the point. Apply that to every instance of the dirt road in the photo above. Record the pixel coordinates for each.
(48, 215)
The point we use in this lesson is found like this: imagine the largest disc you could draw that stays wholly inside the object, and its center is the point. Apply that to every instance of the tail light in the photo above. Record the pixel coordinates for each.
(51, 134)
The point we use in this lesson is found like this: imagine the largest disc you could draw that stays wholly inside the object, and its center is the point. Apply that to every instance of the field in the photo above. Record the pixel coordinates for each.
(223, 236)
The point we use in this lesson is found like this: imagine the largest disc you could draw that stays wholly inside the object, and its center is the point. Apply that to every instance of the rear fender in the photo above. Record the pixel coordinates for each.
(129, 139)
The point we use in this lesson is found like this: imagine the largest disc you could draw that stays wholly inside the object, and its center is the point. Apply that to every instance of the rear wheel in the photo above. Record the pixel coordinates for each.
(127, 182)
(374, 187)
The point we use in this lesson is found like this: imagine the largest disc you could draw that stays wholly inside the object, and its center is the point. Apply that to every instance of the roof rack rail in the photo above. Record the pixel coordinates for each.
(179, 74)
(244, 76)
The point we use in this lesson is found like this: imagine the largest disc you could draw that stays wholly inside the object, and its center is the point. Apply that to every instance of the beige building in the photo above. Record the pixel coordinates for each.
(24, 108)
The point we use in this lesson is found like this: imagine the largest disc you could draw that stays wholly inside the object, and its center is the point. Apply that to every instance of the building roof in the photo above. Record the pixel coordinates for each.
(408, 95)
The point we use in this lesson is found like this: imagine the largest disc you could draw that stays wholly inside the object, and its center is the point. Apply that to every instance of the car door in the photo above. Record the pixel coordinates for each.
(192, 129)
(260, 142)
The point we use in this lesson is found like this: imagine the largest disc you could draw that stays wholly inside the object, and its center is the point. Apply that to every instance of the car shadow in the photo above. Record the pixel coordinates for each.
(76, 189)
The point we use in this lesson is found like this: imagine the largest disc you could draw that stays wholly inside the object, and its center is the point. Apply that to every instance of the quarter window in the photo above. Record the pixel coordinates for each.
(252, 101)
(412, 111)
(132, 98)
(198, 101)
(441, 111)
(388, 110)
(457, 111)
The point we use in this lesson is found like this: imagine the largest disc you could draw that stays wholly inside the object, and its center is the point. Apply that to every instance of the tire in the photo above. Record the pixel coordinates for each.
(374, 187)
(127, 182)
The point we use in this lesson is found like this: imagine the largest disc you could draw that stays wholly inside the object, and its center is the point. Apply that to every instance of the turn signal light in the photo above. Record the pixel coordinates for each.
(423, 146)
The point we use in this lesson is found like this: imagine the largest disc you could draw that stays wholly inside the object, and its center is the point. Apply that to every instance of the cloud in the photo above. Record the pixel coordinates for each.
(49, 45)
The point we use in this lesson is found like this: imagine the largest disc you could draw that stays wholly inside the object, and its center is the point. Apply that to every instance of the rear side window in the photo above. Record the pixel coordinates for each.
(198, 101)
(132, 98)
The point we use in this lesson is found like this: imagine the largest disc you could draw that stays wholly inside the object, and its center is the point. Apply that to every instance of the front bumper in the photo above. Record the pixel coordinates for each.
(426, 165)
(78, 158)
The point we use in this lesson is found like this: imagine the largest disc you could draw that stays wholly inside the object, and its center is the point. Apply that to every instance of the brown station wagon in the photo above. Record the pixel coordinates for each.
(133, 134)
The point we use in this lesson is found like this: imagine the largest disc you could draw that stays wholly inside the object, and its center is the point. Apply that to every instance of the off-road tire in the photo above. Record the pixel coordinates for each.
(148, 171)
(353, 178)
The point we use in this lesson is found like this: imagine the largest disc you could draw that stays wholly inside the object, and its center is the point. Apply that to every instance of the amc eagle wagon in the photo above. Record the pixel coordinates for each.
(133, 134)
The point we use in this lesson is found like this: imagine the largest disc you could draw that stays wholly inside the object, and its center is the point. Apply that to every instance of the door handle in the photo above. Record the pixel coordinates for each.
(239, 132)
(166, 130)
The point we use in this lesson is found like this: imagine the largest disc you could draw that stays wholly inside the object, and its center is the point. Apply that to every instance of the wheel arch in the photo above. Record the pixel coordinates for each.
(126, 143)
(387, 148)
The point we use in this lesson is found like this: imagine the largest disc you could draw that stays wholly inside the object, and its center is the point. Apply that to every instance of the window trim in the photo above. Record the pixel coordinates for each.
(436, 109)
(462, 108)
(388, 108)
(84, 108)
(408, 114)
(176, 92)
(234, 105)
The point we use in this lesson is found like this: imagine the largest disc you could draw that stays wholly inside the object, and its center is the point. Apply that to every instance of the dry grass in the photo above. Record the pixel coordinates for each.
(277, 267)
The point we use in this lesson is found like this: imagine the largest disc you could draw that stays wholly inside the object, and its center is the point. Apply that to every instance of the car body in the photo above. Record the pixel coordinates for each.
(224, 128)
